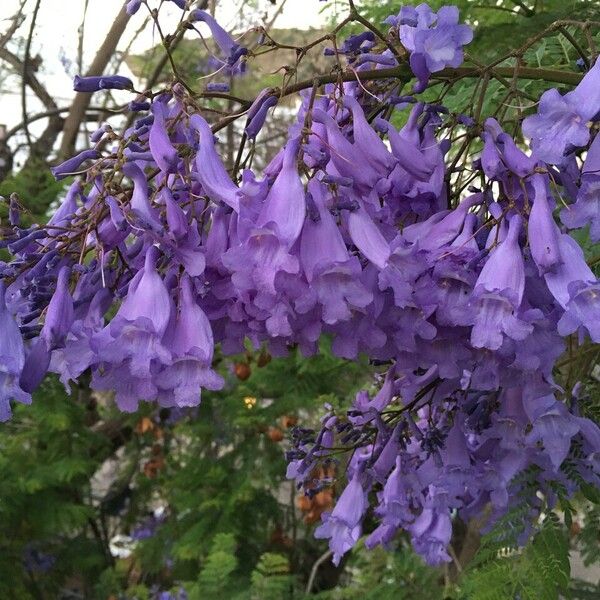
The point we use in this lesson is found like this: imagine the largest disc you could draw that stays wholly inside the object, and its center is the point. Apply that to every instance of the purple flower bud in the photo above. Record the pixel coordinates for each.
(255, 122)
(102, 82)
(70, 166)
(133, 6)
(135, 106)
(218, 87)
(161, 147)
(96, 136)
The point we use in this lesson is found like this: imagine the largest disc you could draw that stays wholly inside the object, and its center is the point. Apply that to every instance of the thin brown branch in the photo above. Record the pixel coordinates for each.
(81, 100)
(16, 22)
(26, 69)
(403, 73)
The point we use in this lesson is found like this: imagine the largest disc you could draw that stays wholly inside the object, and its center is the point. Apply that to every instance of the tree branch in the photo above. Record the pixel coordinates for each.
(26, 69)
(17, 21)
(404, 73)
(81, 100)
(32, 81)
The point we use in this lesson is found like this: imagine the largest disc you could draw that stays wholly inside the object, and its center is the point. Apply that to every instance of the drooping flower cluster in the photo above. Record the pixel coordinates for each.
(351, 231)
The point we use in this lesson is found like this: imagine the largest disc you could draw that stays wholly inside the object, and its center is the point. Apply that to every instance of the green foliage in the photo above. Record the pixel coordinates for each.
(37, 190)
(588, 540)
(540, 571)
(386, 575)
(45, 505)
(215, 576)
(271, 578)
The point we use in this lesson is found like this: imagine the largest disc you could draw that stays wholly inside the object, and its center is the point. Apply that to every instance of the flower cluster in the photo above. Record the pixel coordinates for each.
(351, 231)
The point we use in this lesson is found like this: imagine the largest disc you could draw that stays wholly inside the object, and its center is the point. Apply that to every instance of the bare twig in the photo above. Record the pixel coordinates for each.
(315, 568)
(81, 100)
(26, 69)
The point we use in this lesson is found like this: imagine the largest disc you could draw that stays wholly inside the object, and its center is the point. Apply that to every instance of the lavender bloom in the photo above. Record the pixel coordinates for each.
(230, 48)
(435, 41)
(342, 526)
(70, 166)
(209, 168)
(190, 342)
(12, 360)
(77, 355)
(59, 316)
(431, 533)
(102, 82)
(561, 121)
(587, 208)
(130, 343)
(553, 425)
(135, 106)
(332, 274)
(140, 204)
(367, 237)
(161, 147)
(543, 232)
(498, 293)
(285, 206)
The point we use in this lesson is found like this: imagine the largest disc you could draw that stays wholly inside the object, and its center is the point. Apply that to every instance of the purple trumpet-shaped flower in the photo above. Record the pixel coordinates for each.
(230, 48)
(367, 140)
(346, 157)
(256, 264)
(333, 276)
(210, 171)
(70, 166)
(553, 426)
(77, 355)
(367, 237)
(190, 342)
(131, 342)
(342, 526)
(498, 294)
(576, 289)
(285, 205)
(561, 121)
(102, 82)
(435, 41)
(543, 232)
(431, 533)
(145, 214)
(59, 316)
(12, 360)
(57, 324)
(62, 217)
(586, 211)
(161, 147)
(214, 86)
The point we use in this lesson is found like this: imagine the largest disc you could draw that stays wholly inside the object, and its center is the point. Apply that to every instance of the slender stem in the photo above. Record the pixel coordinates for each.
(576, 45)
(25, 70)
(315, 568)
(403, 72)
